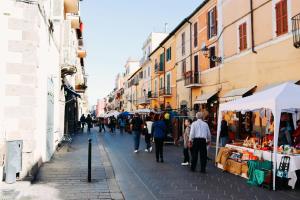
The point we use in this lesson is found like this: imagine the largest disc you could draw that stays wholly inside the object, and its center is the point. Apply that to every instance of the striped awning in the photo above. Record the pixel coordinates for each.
(202, 99)
(236, 94)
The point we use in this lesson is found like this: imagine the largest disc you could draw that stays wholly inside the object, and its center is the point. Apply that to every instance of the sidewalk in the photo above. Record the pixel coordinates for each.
(65, 176)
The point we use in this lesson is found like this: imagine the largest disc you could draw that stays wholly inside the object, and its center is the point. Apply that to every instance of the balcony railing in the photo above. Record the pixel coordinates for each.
(159, 68)
(143, 100)
(165, 92)
(152, 95)
(296, 30)
(192, 79)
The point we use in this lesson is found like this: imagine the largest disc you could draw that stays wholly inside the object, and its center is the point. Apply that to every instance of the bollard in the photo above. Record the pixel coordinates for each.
(90, 161)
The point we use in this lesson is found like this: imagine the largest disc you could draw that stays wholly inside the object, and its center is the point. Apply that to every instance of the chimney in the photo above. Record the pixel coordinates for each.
(166, 27)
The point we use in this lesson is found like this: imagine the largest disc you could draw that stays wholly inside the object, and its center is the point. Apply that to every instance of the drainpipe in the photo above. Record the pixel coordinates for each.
(252, 27)
(164, 77)
(191, 63)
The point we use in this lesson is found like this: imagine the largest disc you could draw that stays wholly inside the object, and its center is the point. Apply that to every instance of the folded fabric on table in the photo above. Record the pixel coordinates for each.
(256, 171)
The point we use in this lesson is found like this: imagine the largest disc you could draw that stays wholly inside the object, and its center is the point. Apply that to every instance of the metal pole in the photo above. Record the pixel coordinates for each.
(89, 160)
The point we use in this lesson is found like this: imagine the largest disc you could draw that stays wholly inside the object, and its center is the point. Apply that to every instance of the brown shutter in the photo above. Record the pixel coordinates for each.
(278, 18)
(245, 35)
(284, 19)
(241, 36)
(215, 20)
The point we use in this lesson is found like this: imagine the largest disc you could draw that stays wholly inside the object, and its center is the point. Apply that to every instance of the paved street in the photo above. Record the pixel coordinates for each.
(140, 177)
(65, 176)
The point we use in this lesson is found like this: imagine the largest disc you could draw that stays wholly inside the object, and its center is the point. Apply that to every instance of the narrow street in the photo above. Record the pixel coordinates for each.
(140, 177)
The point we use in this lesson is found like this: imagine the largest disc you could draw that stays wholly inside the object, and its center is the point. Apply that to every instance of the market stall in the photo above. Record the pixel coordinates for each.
(279, 99)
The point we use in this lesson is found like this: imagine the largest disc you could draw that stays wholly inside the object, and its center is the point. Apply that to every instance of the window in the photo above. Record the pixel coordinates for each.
(212, 53)
(281, 17)
(183, 43)
(212, 23)
(155, 86)
(161, 61)
(183, 69)
(160, 82)
(196, 63)
(168, 84)
(169, 52)
(243, 36)
(196, 34)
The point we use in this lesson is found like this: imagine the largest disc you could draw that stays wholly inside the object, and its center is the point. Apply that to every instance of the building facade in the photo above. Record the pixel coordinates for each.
(38, 60)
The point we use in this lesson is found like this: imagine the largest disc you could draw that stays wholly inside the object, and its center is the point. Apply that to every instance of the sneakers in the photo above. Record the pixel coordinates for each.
(150, 150)
(146, 150)
(135, 151)
(185, 164)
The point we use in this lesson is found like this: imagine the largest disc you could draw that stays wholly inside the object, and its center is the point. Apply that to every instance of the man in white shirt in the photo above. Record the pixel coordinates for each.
(200, 137)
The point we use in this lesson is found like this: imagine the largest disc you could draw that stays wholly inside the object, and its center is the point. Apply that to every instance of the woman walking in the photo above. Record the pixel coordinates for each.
(159, 133)
(186, 136)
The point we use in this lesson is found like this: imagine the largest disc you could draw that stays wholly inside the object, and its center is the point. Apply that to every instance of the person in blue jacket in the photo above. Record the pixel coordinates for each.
(159, 132)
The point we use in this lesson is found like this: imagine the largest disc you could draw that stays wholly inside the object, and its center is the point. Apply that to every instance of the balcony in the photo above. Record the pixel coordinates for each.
(143, 101)
(159, 69)
(296, 30)
(152, 95)
(165, 92)
(192, 79)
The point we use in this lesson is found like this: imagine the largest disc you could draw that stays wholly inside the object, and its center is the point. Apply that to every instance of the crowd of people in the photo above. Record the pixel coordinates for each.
(154, 127)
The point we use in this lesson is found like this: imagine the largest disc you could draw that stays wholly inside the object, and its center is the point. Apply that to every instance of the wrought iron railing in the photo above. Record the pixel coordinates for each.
(191, 78)
(296, 30)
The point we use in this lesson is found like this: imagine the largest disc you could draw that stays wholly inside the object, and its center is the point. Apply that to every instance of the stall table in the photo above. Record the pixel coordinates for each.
(267, 155)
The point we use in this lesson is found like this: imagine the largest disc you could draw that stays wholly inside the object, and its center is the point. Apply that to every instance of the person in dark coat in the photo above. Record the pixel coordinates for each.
(224, 133)
(89, 122)
(136, 127)
(82, 122)
(158, 130)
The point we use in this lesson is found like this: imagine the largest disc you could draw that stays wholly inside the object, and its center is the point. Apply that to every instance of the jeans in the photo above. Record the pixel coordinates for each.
(121, 129)
(159, 143)
(136, 137)
(223, 141)
(148, 141)
(186, 155)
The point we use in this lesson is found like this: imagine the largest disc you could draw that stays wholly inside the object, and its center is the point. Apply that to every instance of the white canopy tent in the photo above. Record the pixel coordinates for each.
(112, 113)
(282, 98)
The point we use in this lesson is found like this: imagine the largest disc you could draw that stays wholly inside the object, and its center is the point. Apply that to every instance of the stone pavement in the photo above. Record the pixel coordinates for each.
(140, 177)
(65, 176)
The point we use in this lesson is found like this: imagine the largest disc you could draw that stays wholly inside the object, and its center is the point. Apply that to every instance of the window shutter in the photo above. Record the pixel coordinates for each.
(208, 25)
(245, 36)
(284, 16)
(278, 17)
(241, 36)
(215, 20)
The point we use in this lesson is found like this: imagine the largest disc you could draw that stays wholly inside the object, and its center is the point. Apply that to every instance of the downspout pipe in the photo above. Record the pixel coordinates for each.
(191, 62)
(252, 28)
(164, 88)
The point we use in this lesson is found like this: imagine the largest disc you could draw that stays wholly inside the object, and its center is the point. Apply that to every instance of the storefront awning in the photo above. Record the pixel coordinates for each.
(236, 94)
(71, 6)
(205, 97)
(276, 84)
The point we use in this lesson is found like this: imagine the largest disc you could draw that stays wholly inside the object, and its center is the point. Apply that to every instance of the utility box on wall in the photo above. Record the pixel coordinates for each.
(13, 164)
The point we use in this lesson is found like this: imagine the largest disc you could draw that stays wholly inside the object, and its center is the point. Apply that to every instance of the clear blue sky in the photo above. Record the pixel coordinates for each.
(116, 29)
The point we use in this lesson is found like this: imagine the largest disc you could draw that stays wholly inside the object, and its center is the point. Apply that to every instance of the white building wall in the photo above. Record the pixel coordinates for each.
(31, 59)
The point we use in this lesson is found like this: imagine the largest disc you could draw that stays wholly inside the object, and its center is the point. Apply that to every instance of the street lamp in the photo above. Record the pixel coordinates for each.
(206, 53)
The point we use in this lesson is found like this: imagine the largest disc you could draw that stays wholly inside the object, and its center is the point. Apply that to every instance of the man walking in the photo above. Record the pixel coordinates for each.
(136, 127)
(82, 122)
(200, 137)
